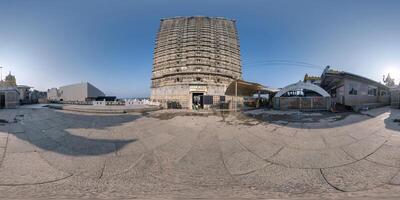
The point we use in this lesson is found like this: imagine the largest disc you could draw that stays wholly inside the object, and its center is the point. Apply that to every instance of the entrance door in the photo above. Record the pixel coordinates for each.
(2, 101)
(196, 100)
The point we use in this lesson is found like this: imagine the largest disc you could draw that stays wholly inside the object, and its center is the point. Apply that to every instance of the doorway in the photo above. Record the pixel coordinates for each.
(2, 101)
(196, 100)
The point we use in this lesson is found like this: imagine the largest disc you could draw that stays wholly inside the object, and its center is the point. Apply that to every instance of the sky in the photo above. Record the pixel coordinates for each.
(110, 43)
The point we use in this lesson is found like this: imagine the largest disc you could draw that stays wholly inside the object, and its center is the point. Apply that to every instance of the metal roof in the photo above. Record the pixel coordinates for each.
(245, 88)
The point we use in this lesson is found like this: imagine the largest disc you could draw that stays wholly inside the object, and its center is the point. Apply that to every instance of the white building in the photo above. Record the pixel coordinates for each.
(75, 92)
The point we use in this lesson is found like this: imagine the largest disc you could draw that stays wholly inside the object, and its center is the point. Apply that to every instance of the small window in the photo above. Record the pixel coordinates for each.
(177, 62)
(372, 91)
(177, 80)
(353, 90)
(198, 79)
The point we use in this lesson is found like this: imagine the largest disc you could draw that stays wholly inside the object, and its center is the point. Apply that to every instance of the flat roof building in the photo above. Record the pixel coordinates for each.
(194, 56)
(353, 90)
(79, 92)
(9, 98)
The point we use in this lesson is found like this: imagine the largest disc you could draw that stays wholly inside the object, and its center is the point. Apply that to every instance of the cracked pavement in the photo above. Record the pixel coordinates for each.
(54, 153)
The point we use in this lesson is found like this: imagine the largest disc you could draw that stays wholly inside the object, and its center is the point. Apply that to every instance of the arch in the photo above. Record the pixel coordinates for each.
(302, 85)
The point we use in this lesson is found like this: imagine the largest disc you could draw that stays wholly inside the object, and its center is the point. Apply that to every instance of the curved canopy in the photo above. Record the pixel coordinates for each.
(301, 85)
(245, 88)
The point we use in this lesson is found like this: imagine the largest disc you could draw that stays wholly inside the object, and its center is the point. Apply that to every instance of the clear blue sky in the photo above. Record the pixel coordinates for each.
(110, 43)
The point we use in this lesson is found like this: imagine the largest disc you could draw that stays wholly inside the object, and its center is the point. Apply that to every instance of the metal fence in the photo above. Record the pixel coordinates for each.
(302, 103)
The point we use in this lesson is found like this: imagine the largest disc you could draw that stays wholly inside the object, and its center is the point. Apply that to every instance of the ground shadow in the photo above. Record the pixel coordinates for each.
(312, 120)
(48, 130)
(393, 121)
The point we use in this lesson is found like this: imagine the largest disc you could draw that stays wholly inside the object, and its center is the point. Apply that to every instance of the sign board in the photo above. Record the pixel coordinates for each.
(196, 88)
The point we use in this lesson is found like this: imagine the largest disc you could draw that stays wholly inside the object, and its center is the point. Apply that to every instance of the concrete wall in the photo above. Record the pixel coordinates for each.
(11, 98)
(183, 93)
(302, 103)
(395, 98)
(53, 95)
(362, 97)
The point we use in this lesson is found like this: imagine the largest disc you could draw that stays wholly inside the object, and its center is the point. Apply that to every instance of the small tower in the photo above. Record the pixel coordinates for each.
(10, 81)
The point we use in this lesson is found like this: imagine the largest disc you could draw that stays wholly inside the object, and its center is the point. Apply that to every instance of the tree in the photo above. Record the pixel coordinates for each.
(389, 81)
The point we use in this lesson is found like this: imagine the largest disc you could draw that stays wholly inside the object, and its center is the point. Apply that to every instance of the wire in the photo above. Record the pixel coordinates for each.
(283, 62)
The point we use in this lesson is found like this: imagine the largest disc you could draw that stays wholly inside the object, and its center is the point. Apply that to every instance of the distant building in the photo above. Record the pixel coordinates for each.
(395, 97)
(194, 57)
(38, 97)
(24, 94)
(79, 92)
(312, 79)
(9, 98)
(353, 90)
(9, 95)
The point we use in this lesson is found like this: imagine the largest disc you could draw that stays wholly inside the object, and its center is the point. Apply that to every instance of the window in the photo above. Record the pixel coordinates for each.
(383, 93)
(372, 91)
(353, 90)
(198, 79)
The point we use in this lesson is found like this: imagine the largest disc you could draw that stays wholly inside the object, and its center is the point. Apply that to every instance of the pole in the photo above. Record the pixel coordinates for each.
(235, 95)
(1, 73)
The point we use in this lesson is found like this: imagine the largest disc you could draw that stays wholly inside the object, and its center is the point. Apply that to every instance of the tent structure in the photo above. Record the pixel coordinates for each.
(301, 86)
(242, 88)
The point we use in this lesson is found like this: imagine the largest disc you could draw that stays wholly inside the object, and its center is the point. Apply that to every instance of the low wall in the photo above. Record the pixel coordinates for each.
(302, 103)
(395, 99)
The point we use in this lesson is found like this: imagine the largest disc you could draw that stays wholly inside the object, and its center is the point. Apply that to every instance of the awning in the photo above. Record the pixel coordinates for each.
(245, 88)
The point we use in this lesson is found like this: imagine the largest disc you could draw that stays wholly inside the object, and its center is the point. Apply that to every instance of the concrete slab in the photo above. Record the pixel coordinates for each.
(338, 140)
(386, 155)
(243, 162)
(3, 141)
(362, 175)
(296, 158)
(281, 179)
(19, 143)
(27, 169)
(307, 143)
(65, 160)
(365, 147)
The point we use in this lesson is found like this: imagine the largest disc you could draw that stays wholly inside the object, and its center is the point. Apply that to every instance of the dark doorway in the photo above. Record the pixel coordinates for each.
(2, 101)
(196, 100)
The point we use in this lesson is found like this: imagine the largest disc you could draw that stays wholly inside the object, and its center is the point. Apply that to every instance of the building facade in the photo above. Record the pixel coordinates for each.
(194, 56)
(79, 92)
(395, 97)
(353, 90)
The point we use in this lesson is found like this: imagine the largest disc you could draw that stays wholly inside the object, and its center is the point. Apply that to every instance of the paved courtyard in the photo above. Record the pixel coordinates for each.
(55, 153)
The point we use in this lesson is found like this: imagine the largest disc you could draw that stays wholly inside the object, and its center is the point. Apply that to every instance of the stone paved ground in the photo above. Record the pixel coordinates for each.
(52, 153)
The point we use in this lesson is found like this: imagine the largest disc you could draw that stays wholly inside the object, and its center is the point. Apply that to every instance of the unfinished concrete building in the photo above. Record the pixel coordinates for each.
(194, 56)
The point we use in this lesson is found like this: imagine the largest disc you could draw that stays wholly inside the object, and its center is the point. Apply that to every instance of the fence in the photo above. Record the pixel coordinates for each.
(302, 103)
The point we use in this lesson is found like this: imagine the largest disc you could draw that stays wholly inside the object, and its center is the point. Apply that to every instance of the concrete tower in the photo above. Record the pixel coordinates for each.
(194, 56)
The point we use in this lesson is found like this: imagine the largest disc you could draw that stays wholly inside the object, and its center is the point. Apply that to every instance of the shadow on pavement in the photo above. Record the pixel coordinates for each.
(47, 130)
(310, 120)
(393, 121)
